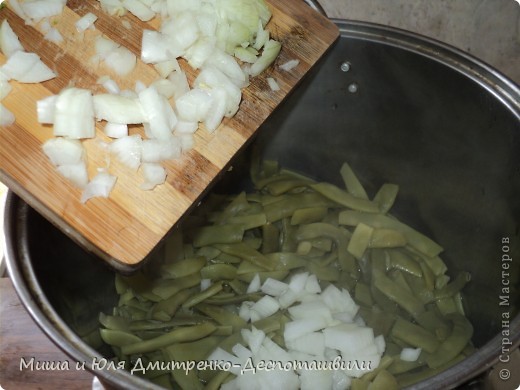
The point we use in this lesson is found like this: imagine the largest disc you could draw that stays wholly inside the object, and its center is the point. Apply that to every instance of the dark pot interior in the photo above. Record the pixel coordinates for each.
(443, 126)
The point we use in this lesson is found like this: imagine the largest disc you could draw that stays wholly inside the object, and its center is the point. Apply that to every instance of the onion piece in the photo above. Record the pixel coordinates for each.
(410, 354)
(155, 150)
(63, 151)
(6, 117)
(139, 9)
(9, 42)
(187, 141)
(121, 60)
(164, 68)
(53, 35)
(157, 47)
(18, 10)
(75, 173)
(116, 130)
(158, 113)
(198, 53)
(118, 109)
(289, 65)
(100, 186)
(86, 21)
(254, 286)
(27, 68)
(154, 175)
(211, 77)
(269, 54)
(43, 8)
(193, 106)
(182, 29)
(273, 84)
(128, 150)
(45, 109)
(74, 114)
(109, 84)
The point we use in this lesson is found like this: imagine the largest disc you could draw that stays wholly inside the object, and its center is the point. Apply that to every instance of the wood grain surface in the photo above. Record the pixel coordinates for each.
(124, 228)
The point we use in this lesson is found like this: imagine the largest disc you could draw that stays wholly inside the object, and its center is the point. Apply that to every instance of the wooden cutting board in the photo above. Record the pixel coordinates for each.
(124, 228)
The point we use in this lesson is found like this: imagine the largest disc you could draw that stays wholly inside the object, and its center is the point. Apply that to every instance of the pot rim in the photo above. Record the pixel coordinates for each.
(32, 297)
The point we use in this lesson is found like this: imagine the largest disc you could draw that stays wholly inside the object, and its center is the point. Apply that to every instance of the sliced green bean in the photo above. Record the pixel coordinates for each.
(386, 196)
(387, 238)
(415, 377)
(380, 221)
(179, 335)
(384, 381)
(287, 260)
(415, 335)
(118, 338)
(168, 287)
(221, 315)
(288, 204)
(185, 267)
(278, 275)
(209, 292)
(343, 198)
(360, 240)
(270, 238)
(114, 322)
(352, 183)
(280, 187)
(217, 380)
(218, 272)
(398, 294)
(253, 297)
(218, 234)
(363, 295)
(249, 254)
(454, 287)
(308, 215)
(430, 321)
(169, 306)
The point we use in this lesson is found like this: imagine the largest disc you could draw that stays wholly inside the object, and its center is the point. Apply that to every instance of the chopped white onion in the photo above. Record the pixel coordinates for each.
(116, 130)
(187, 141)
(6, 117)
(118, 109)
(183, 127)
(164, 68)
(193, 106)
(75, 173)
(410, 354)
(74, 114)
(45, 109)
(157, 150)
(42, 8)
(273, 84)
(100, 186)
(153, 174)
(113, 7)
(104, 46)
(109, 84)
(158, 113)
(139, 9)
(27, 68)
(165, 87)
(86, 21)
(63, 151)
(156, 47)
(254, 286)
(128, 150)
(269, 54)
(204, 284)
(121, 60)
(211, 77)
(9, 42)
(289, 65)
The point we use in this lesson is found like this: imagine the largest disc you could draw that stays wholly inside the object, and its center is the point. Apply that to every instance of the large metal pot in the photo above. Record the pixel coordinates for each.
(399, 108)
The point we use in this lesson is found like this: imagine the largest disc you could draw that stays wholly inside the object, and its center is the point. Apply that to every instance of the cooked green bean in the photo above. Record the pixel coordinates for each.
(184, 267)
(209, 292)
(169, 306)
(454, 343)
(270, 238)
(288, 204)
(217, 380)
(387, 238)
(386, 196)
(168, 287)
(384, 381)
(249, 254)
(218, 234)
(398, 294)
(454, 287)
(118, 338)
(343, 198)
(352, 183)
(218, 272)
(221, 315)
(179, 335)
(360, 240)
(248, 221)
(414, 377)
(415, 335)
(380, 221)
(308, 215)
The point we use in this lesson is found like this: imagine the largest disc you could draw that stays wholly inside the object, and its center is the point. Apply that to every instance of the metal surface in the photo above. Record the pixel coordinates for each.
(439, 123)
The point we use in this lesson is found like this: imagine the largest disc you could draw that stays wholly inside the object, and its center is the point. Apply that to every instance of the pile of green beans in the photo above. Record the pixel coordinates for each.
(289, 224)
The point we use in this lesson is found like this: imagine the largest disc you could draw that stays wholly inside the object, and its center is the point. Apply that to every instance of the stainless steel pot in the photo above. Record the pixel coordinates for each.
(399, 108)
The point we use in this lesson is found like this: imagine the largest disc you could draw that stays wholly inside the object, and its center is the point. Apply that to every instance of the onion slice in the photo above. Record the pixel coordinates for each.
(27, 68)
(9, 42)
(100, 186)
(6, 117)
